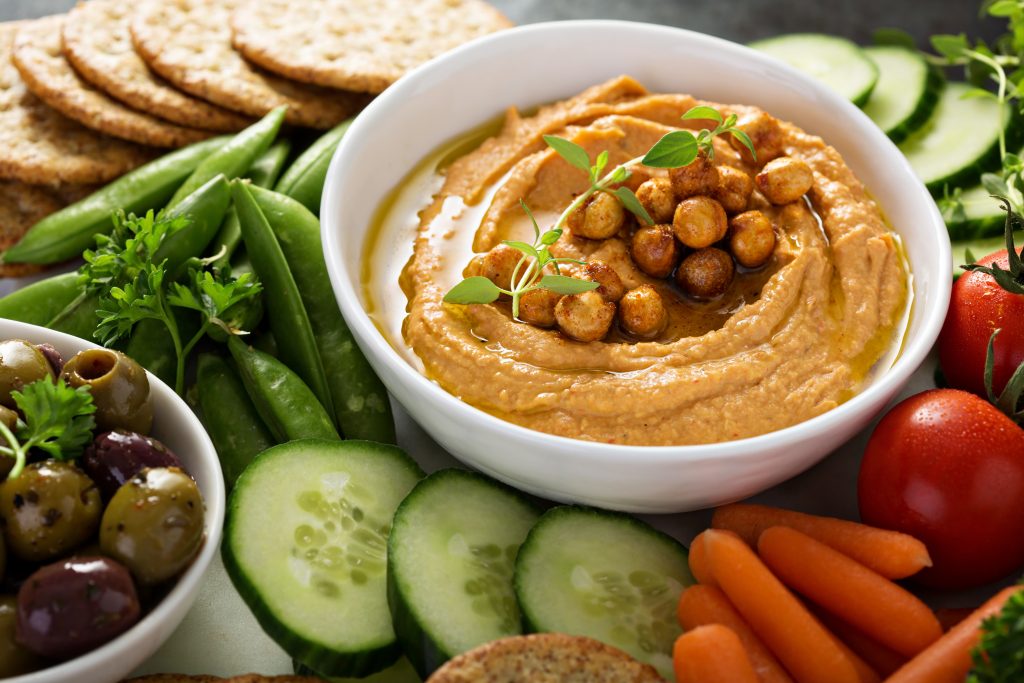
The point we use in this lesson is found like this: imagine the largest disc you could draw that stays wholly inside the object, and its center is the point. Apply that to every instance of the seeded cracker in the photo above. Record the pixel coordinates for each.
(188, 42)
(363, 45)
(37, 54)
(98, 44)
(21, 207)
(40, 146)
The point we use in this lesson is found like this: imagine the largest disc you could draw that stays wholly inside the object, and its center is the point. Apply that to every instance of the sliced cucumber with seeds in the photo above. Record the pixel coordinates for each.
(305, 543)
(605, 575)
(983, 216)
(906, 93)
(451, 555)
(836, 62)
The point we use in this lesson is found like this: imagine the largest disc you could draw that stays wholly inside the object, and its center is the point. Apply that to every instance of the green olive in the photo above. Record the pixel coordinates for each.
(48, 511)
(14, 659)
(119, 386)
(154, 524)
(21, 363)
(3, 557)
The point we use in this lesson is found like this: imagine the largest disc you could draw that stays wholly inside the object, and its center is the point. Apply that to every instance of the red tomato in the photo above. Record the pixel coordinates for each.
(948, 468)
(977, 308)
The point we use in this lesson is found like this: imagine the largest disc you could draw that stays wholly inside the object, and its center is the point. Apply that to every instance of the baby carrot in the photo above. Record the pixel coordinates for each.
(711, 654)
(702, 605)
(889, 553)
(793, 635)
(878, 656)
(948, 659)
(878, 607)
(698, 559)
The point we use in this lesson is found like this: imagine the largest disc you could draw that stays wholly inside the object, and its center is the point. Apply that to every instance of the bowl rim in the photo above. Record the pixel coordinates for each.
(186, 589)
(914, 349)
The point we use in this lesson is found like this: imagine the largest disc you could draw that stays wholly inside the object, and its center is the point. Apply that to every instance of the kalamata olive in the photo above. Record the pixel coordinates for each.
(119, 386)
(53, 357)
(154, 524)
(48, 511)
(20, 364)
(115, 457)
(14, 659)
(73, 606)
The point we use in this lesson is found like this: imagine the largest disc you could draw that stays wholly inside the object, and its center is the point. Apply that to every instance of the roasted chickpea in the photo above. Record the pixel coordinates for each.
(785, 180)
(21, 363)
(706, 274)
(537, 307)
(642, 312)
(119, 388)
(585, 317)
(765, 133)
(658, 199)
(699, 177)
(600, 217)
(655, 250)
(734, 188)
(498, 265)
(14, 659)
(699, 222)
(611, 288)
(751, 239)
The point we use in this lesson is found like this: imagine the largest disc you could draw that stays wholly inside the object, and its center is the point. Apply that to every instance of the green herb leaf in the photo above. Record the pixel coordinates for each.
(894, 36)
(563, 284)
(619, 175)
(979, 94)
(674, 150)
(633, 204)
(1004, 8)
(536, 228)
(58, 419)
(999, 655)
(550, 237)
(951, 47)
(704, 113)
(473, 290)
(570, 151)
(600, 164)
(523, 247)
(744, 140)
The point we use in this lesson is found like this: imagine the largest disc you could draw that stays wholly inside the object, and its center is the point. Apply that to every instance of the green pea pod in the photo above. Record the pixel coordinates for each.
(205, 208)
(78, 318)
(288, 407)
(70, 231)
(360, 400)
(288, 318)
(234, 157)
(304, 179)
(41, 301)
(230, 418)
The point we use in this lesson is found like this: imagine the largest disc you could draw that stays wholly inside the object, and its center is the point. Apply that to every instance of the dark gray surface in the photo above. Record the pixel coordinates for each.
(740, 20)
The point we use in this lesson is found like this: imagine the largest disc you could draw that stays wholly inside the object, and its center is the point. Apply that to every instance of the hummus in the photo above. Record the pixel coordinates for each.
(788, 341)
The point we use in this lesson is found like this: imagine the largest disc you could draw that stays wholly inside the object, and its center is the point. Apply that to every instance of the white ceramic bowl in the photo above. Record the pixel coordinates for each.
(541, 63)
(177, 426)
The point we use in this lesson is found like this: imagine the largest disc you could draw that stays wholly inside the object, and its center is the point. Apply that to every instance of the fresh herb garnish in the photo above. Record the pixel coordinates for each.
(999, 655)
(57, 420)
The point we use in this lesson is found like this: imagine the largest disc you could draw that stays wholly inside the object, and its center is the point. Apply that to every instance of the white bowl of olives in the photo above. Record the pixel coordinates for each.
(111, 508)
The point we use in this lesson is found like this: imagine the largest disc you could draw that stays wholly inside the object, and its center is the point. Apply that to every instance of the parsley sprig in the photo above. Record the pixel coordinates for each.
(999, 655)
(57, 420)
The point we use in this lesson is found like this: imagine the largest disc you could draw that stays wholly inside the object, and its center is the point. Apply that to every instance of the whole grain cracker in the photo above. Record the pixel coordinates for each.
(98, 44)
(245, 678)
(38, 56)
(21, 207)
(188, 42)
(363, 45)
(40, 146)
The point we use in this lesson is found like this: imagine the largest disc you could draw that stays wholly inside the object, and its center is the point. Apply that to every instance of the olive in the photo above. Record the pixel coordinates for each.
(3, 557)
(73, 606)
(9, 418)
(20, 364)
(14, 659)
(119, 386)
(115, 457)
(53, 357)
(48, 511)
(154, 524)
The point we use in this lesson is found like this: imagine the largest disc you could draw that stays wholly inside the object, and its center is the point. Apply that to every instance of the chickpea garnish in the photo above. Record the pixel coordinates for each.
(765, 133)
(751, 239)
(734, 189)
(585, 317)
(497, 265)
(611, 288)
(706, 273)
(658, 198)
(699, 222)
(700, 177)
(537, 307)
(642, 312)
(785, 180)
(655, 250)
(600, 218)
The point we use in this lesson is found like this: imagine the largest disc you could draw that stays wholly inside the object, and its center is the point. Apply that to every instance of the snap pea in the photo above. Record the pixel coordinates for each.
(234, 157)
(304, 179)
(288, 407)
(78, 318)
(361, 405)
(288, 318)
(230, 418)
(70, 231)
(41, 301)
(206, 208)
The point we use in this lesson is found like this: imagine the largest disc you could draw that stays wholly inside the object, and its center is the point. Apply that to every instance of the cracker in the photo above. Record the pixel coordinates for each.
(21, 207)
(38, 56)
(98, 44)
(363, 45)
(245, 678)
(188, 42)
(40, 146)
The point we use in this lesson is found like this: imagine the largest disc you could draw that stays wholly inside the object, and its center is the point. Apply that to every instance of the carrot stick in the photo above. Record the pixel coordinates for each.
(699, 562)
(800, 642)
(889, 553)
(880, 658)
(951, 616)
(703, 605)
(948, 659)
(878, 607)
(711, 654)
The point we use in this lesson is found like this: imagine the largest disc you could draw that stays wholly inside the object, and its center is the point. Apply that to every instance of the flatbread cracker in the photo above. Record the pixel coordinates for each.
(188, 42)
(21, 207)
(40, 146)
(363, 45)
(98, 44)
(246, 678)
(38, 56)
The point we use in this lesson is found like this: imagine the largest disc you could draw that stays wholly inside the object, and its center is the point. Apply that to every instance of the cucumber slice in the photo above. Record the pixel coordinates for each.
(305, 543)
(980, 248)
(960, 140)
(983, 216)
(906, 93)
(605, 575)
(401, 672)
(837, 62)
(451, 554)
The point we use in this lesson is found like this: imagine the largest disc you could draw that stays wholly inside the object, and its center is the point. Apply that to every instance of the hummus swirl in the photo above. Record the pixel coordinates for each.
(788, 342)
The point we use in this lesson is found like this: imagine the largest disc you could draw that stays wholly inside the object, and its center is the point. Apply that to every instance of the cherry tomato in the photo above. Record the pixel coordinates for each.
(946, 467)
(977, 308)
